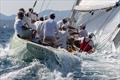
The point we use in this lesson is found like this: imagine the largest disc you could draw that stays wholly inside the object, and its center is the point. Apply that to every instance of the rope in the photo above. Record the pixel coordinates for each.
(109, 36)
(102, 26)
(43, 2)
(94, 18)
(106, 40)
(48, 4)
(90, 20)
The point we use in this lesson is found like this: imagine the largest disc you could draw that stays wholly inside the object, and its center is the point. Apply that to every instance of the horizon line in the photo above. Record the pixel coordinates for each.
(38, 12)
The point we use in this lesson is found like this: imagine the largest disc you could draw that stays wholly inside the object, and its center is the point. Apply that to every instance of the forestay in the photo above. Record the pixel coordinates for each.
(88, 5)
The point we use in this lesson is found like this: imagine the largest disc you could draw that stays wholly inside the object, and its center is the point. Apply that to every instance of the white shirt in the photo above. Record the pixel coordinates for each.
(39, 26)
(50, 28)
(32, 16)
(64, 25)
(18, 26)
(28, 21)
(33, 27)
(25, 19)
(63, 37)
(38, 23)
(83, 33)
(59, 23)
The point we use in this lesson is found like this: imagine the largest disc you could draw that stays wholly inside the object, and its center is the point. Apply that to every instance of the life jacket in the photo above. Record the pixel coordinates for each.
(85, 47)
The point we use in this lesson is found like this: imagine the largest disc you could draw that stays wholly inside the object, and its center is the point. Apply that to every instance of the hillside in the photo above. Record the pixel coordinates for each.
(9, 20)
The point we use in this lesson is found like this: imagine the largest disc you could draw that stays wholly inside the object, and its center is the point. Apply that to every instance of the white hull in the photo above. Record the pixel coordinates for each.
(26, 50)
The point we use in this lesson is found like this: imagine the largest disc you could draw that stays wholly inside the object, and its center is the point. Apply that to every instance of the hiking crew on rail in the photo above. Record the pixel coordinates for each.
(46, 31)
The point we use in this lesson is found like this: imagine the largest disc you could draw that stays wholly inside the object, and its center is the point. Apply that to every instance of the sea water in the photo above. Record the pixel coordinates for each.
(101, 65)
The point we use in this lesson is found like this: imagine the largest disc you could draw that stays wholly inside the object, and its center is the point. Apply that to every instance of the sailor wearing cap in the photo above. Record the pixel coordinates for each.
(82, 31)
(50, 30)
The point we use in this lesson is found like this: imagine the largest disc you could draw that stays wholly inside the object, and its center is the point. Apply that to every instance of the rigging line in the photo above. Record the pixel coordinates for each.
(43, 2)
(99, 15)
(94, 18)
(48, 4)
(106, 40)
(111, 34)
(89, 20)
(109, 38)
(102, 26)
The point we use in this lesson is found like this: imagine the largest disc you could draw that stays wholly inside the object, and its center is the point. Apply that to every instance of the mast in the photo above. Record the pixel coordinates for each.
(74, 12)
(35, 4)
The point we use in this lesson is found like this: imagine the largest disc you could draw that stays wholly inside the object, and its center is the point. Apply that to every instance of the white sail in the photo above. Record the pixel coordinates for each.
(88, 5)
(102, 22)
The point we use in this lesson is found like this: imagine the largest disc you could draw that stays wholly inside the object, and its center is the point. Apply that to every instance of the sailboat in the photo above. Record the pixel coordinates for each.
(101, 17)
(27, 50)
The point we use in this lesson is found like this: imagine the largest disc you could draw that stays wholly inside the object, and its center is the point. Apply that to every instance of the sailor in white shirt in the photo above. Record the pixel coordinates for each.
(39, 27)
(24, 18)
(33, 27)
(20, 29)
(32, 15)
(63, 37)
(50, 30)
(27, 20)
(61, 22)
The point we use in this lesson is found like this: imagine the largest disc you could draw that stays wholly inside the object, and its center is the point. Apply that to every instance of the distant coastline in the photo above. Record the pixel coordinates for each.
(9, 20)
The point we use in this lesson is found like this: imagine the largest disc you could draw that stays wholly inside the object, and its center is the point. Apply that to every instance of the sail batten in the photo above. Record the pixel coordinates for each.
(88, 5)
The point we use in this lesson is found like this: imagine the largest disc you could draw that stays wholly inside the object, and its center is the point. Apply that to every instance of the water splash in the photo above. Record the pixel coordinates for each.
(101, 65)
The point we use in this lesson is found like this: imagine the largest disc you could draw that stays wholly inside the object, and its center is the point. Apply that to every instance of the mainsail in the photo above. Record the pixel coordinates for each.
(103, 21)
(88, 5)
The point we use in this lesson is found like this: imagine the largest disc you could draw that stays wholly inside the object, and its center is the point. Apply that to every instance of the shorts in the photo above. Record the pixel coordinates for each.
(50, 40)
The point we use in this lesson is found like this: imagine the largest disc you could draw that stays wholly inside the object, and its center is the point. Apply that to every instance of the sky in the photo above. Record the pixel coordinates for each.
(10, 7)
